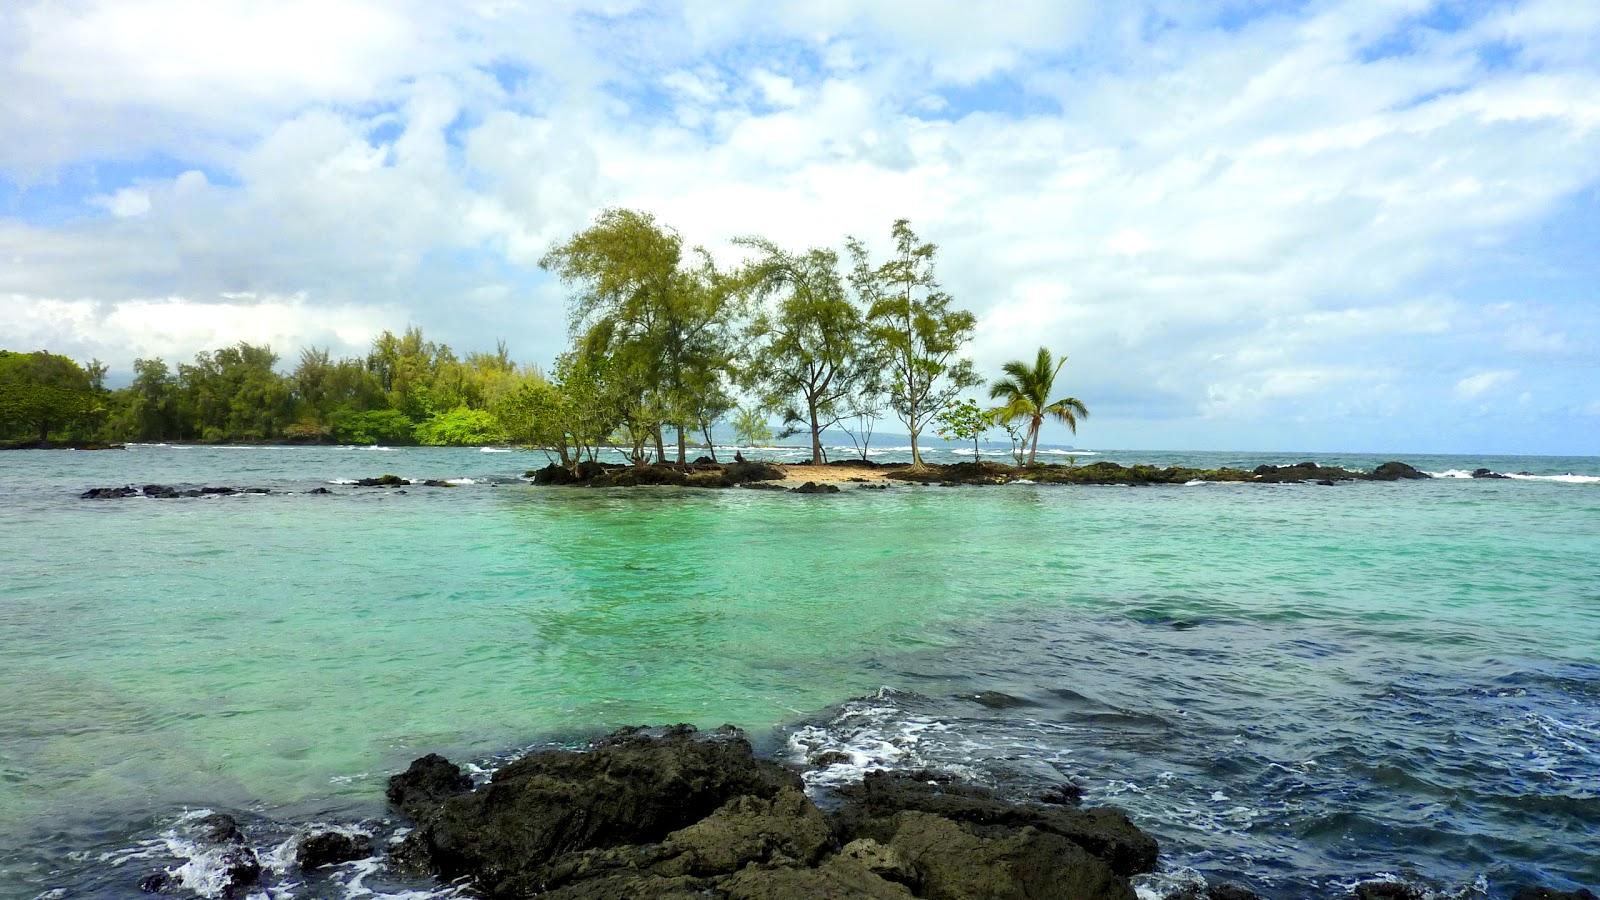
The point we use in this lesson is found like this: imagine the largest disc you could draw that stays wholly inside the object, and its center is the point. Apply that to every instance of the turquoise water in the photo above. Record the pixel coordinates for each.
(1374, 677)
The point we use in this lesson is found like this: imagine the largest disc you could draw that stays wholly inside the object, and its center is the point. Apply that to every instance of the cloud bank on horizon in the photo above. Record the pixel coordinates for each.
(1320, 225)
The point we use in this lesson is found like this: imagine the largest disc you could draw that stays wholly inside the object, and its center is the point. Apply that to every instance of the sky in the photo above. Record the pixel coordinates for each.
(1364, 226)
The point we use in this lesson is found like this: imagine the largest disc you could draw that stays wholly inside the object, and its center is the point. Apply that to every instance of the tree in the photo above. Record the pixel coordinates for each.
(964, 421)
(805, 340)
(150, 410)
(655, 325)
(461, 427)
(916, 330)
(750, 428)
(40, 391)
(373, 426)
(1024, 393)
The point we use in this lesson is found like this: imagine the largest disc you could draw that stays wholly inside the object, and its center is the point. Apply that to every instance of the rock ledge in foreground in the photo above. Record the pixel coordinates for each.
(678, 813)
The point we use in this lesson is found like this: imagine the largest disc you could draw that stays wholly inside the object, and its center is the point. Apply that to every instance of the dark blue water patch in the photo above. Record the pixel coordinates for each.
(1295, 757)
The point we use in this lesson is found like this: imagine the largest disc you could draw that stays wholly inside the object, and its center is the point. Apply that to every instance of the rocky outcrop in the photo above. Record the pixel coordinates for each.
(1107, 472)
(382, 481)
(812, 487)
(1396, 471)
(109, 493)
(702, 475)
(1486, 473)
(678, 813)
(165, 492)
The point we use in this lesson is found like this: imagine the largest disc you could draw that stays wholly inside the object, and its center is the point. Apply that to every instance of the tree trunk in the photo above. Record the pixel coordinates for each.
(1033, 450)
(44, 431)
(816, 436)
(661, 447)
(682, 445)
(710, 444)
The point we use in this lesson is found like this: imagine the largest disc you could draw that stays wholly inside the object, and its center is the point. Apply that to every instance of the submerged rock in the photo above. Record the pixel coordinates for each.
(679, 813)
(1386, 890)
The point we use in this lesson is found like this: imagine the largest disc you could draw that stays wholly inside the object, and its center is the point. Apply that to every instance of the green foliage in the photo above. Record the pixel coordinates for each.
(806, 342)
(750, 428)
(1023, 394)
(375, 426)
(917, 332)
(653, 326)
(963, 420)
(40, 392)
(461, 427)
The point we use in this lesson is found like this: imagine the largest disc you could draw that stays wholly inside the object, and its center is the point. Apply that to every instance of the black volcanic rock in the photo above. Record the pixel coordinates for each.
(330, 848)
(1395, 471)
(678, 813)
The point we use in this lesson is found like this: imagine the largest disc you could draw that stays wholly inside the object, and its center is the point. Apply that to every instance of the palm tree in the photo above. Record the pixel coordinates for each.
(1024, 394)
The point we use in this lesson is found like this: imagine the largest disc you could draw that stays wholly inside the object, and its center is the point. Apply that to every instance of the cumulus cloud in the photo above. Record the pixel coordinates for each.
(1223, 224)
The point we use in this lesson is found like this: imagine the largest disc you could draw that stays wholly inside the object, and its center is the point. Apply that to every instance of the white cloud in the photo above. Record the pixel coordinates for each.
(1231, 223)
(1475, 386)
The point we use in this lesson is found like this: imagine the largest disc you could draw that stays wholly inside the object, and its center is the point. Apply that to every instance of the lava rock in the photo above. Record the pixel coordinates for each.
(155, 883)
(677, 813)
(812, 487)
(382, 481)
(1104, 833)
(108, 493)
(1064, 794)
(1395, 471)
(635, 786)
(320, 490)
(219, 828)
(242, 871)
(429, 781)
(330, 848)
(1486, 473)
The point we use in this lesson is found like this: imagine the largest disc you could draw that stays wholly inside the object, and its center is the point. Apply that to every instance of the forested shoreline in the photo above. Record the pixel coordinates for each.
(663, 344)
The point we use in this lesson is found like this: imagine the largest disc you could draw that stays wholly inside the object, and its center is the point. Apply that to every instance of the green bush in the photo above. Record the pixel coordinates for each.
(461, 426)
(374, 426)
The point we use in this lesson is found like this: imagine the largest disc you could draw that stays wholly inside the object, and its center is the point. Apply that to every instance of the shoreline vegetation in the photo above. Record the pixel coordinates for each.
(665, 347)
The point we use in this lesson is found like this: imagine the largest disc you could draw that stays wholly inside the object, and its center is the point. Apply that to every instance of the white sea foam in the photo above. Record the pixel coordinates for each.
(871, 733)
(494, 449)
(459, 481)
(1568, 478)
(341, 481)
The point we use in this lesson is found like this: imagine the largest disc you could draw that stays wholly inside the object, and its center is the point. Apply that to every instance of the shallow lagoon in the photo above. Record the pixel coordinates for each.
(1293, 686)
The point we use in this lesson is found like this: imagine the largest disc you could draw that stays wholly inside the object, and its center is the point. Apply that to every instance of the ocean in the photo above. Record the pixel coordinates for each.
(1293, 687)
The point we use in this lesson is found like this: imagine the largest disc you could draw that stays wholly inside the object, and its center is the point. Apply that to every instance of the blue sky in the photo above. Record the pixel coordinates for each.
(1323, 225)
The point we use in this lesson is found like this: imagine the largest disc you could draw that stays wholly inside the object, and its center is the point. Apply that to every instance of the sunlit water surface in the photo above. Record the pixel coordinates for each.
(1291, 686)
